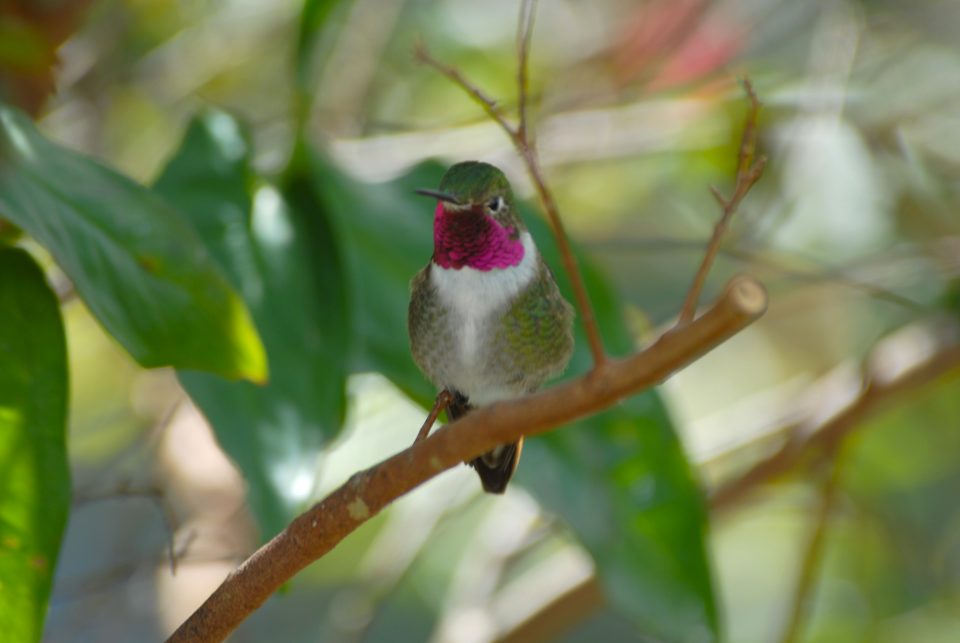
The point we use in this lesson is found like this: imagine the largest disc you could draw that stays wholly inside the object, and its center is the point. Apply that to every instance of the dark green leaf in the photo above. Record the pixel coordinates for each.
(621, 482)
(133, 259)
(314, 17)
(34, 478)
(900, 471)
(280, 254)
(950, 299)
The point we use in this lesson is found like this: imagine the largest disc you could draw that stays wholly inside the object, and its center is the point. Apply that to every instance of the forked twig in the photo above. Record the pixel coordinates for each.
(523, 142)
(749, 170)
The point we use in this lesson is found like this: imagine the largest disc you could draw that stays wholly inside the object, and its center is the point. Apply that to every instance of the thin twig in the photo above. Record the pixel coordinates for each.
(152, 494)
(780, 264)
(322, 527)
(748, 173)
(523, 142)
(444, 398)
(524, 33)
(748, 140)
(810, 566)
(453, 74)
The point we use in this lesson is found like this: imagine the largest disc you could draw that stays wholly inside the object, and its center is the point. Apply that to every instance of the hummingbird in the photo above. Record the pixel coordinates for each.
(486, 319)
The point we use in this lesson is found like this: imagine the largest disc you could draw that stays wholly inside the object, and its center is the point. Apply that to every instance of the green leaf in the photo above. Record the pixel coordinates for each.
(132, 258)
(620, 479)
(621, 482)
(34, 478)
(279, 252)
(311, 35)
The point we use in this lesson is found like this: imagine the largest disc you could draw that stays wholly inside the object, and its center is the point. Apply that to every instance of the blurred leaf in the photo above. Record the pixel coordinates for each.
(34, 477)
(310, 31)
(280, 255)
(313, 18)
(950, 299)
(133, 259)
(902, 476)
(621, 478)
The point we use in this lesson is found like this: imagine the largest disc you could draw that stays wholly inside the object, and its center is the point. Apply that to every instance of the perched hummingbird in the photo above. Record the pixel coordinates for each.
(486, 319)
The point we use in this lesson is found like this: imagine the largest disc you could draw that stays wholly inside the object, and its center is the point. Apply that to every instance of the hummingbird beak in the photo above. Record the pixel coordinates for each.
(440, 196)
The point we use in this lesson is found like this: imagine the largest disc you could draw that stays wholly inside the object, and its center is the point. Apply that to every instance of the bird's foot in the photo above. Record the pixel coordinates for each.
(444, 398)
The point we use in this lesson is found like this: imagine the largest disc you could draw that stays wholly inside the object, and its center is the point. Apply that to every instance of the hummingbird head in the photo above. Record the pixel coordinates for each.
(476, 223)
(477, 188)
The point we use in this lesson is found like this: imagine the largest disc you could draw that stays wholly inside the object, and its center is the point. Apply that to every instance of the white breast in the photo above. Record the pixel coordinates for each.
(474, 294)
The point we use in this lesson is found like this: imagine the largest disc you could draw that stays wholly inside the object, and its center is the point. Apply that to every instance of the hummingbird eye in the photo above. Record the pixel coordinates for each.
(495, 204)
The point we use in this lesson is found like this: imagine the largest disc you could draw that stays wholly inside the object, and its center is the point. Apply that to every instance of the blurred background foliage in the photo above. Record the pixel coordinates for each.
(290, 135)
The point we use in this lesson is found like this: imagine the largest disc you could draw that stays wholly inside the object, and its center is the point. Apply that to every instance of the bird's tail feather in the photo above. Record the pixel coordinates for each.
(495, 467)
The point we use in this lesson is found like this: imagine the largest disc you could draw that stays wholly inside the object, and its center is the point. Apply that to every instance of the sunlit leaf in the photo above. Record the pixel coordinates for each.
(281, 256)
(34, 477)
(133, 259)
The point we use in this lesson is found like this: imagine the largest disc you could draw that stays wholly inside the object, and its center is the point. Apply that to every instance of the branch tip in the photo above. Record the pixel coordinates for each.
(748, 295)
(748, 173)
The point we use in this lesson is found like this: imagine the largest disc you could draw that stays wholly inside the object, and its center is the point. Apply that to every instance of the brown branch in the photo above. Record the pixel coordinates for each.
(453, 74)
(565, 611)
(804, 443)
(318, 530)
(523, 142)
(799, 605)
(748, 173)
